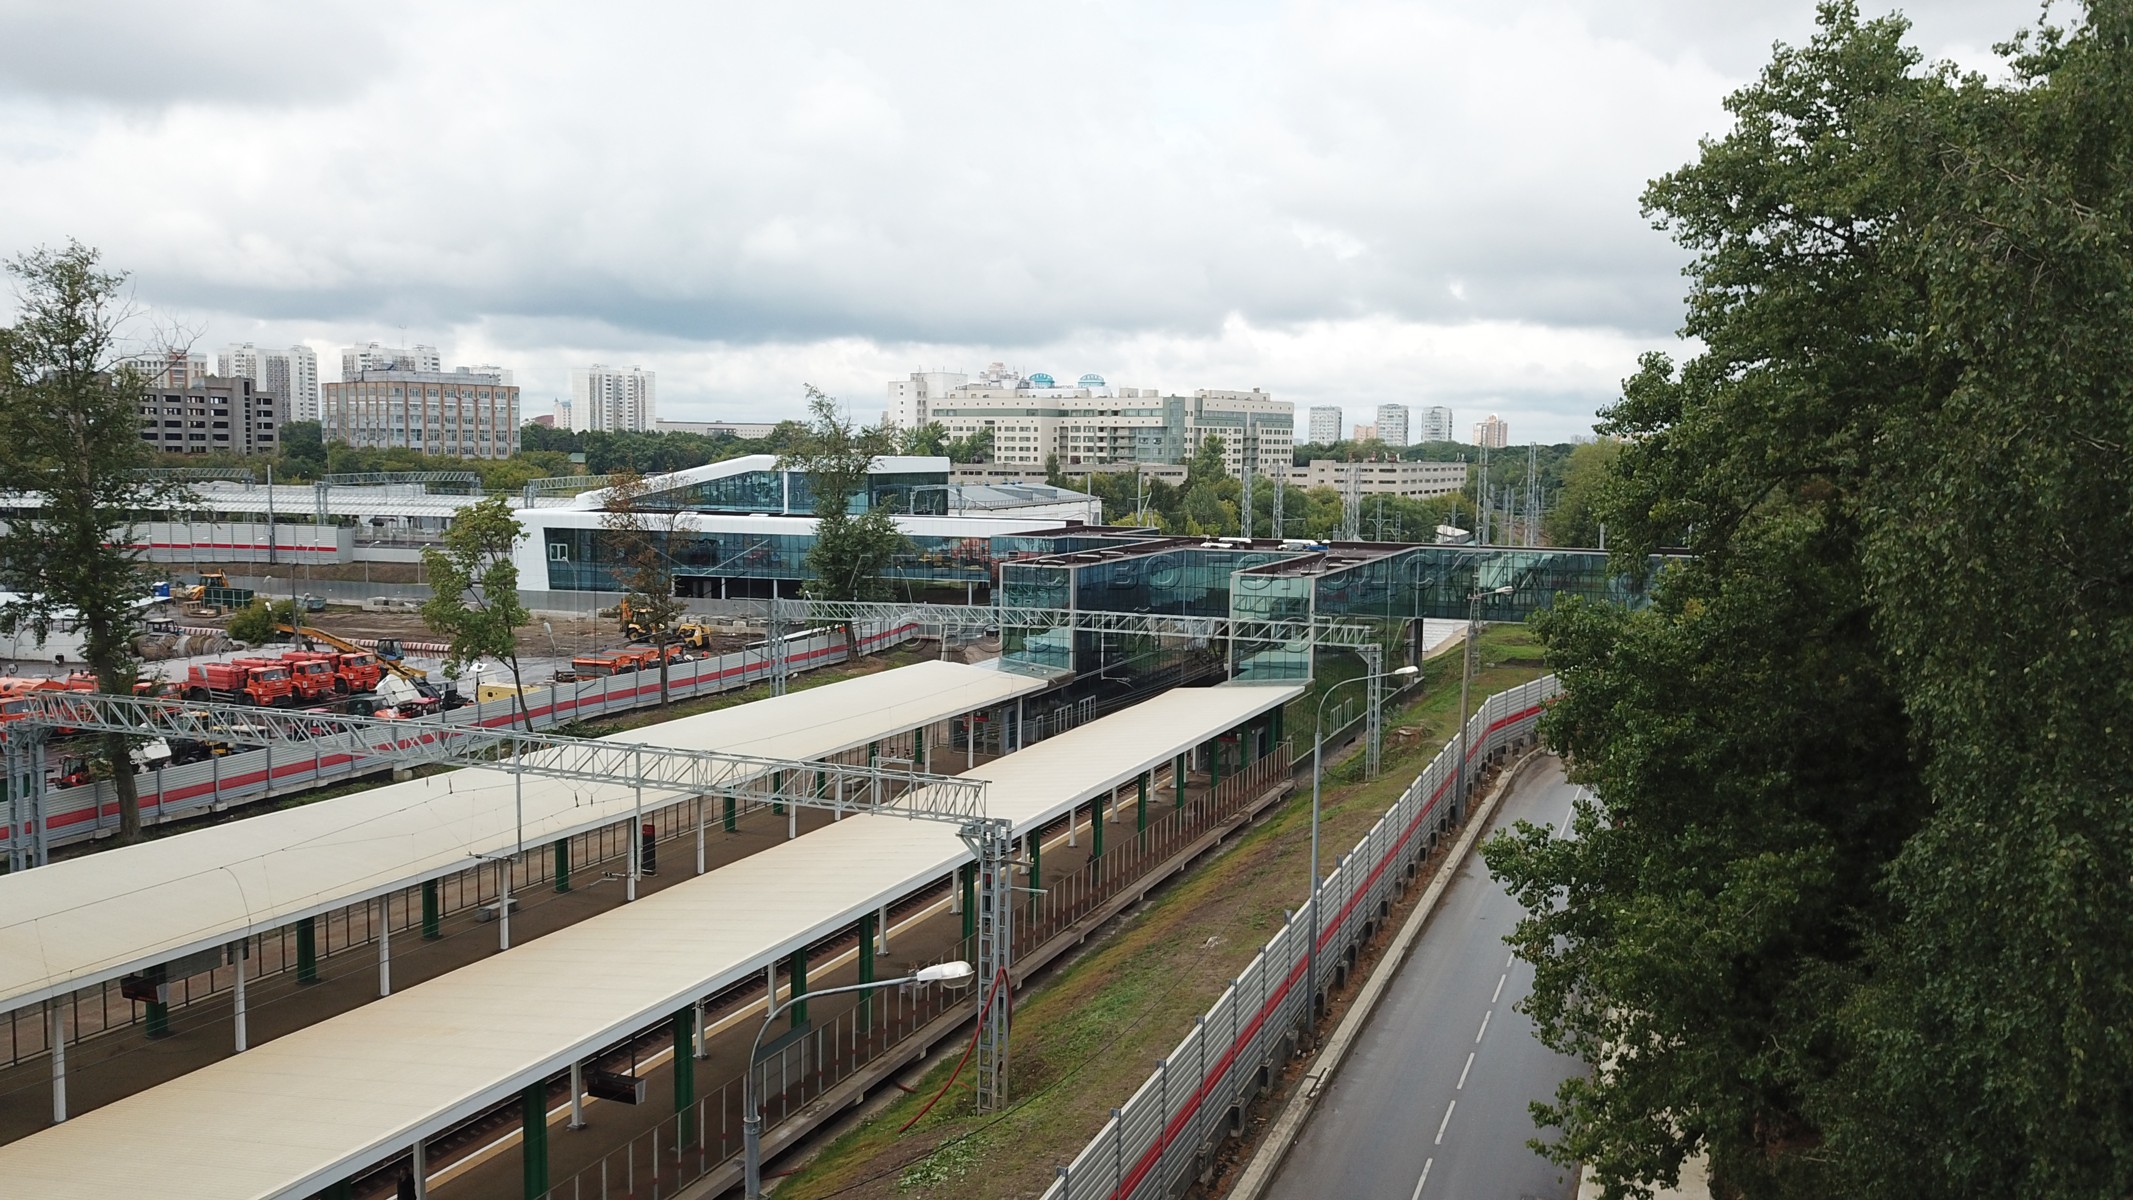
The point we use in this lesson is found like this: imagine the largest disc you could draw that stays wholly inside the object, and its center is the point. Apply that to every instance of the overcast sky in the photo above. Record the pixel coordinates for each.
(1425, 202)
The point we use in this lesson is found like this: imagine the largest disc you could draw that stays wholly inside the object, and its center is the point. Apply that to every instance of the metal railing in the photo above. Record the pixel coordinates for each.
(1167, 1131)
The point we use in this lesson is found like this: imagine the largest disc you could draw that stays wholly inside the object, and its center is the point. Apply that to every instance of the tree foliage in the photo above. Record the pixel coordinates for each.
(70, 431)
(852, 551)
(1848, 913)
(474, 600)
(640, 534)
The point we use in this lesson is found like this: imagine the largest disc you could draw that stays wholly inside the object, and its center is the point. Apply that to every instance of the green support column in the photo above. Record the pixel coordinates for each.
(1177, 780)
(562, 864)
(344, 1190)
(432, 921)
(873, 754)
(1277, 714)
(684, 1068)
(918, 749)
(796, 967)
(157, 1018)
(533, 1138)
(866, 972)
(1214, 766)
(1096, 829)
(969, 873)
(777, 788)
(1140, 816)
(733, 815)
(307, 950)
(822, 782)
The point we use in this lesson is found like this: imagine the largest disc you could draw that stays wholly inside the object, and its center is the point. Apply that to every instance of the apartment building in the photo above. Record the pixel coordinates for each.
(1393, 477)
(1492, 432)
(169, 370)
(215, 413)
(1364, 433)
(608, 399)
(1392, 424)
(461, 414)
(1326, 424)
(1433, 423)
(375, 357)
(291, 374)
(1034, 417)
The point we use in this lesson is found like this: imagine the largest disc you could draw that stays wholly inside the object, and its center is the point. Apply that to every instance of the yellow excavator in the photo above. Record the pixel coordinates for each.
(689, 632)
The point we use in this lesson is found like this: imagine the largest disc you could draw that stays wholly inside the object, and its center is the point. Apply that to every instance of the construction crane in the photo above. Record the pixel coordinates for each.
(414, 675)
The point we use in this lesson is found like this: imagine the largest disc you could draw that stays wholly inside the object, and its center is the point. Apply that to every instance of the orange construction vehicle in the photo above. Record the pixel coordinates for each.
(311, 678)
(244, 681)
(625, 661)
(350, 672)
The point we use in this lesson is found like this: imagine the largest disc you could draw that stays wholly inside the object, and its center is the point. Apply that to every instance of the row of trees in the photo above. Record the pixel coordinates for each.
(1850, 912)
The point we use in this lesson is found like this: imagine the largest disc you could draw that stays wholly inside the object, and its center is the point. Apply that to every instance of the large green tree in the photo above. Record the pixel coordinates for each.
(70, 432)
(852, 551)
(641, 532)
(474, 600)
(1848, 911)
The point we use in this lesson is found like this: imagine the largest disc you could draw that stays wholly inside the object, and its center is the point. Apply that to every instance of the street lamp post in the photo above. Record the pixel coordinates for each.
(1318, 748)
(1466, 675)
(751, 1104)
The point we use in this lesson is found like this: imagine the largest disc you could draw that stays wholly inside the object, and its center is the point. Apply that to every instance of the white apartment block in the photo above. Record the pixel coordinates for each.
(606, 399)
(169, 369)
(1392, 424)
(1326, 424)
(375, 357)
(462, 414)
(1492, 432)
(1414, 480)
(1033, 418)
(291, 374)
(1433, 424)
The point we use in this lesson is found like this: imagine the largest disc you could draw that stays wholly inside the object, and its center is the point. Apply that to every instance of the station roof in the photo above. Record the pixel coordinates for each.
(94, 918)
(294, 1115)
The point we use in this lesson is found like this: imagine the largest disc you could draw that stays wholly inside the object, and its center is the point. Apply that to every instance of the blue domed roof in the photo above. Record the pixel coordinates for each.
(1040, 379)
(1092, 379)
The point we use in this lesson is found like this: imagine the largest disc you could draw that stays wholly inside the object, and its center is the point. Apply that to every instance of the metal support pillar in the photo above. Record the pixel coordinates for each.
(1178, 775)
(1140, 819)
(533, 1138)
(967, 883)
(577, 1096)
(733, 815)
(385, 946)
(1374, 662)
(1036, 869)
(1096, 829)
(684, 1070)
(994, 844)
(418, 1164)
(432, 917)
(239, 952)
(881, 925)
(796, 971)
(1214, 766)
(55, 1033)
(865, 1016)
(156, 1021)
(503, 903)
(636, 832)
(562, 864)
(307, 950)
(699, 835)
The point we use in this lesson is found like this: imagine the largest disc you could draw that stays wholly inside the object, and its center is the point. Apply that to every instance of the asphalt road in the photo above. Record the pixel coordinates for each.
(1431, 1101)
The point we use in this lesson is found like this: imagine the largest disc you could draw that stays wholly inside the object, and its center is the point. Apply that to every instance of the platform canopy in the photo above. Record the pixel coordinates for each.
(86, 920)
(295, 1115)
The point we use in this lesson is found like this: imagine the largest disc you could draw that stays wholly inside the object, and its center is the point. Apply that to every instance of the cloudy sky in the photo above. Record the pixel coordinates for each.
(1424, 202)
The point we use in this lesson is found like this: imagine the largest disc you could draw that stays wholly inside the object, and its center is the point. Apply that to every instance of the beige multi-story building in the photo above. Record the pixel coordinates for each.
(1364, 433)
(612, 400)
(169, 369)
(291, 374)
(1491, 431)
(216, 413)
(460, 414)
(1392, 477)
(1034, 418)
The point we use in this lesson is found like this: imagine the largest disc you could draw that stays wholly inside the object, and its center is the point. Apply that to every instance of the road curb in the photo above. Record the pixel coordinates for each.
(1281, 1134)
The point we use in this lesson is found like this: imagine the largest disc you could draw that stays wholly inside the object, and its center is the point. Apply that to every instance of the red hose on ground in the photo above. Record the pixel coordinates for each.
(976, 1029)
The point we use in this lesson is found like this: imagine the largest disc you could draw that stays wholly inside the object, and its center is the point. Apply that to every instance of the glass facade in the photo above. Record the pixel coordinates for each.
(788, 493)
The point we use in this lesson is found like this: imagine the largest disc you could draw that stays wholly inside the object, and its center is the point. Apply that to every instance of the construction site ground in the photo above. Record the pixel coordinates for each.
(1091, 1031)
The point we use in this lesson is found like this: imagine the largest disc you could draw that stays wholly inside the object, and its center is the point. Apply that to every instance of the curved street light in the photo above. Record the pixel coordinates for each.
(1466, 673)
(751, 1110)
(1318, 746)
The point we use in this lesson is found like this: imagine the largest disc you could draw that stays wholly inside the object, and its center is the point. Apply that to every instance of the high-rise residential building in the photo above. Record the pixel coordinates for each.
(1392, 424)
(1492, 432)
(1433, 424)
(1364, 433)
(1088, 423)
(462, 413)
(375, 357)
(169, 369)
(214, 413)
(614, 400)
(291, 374)
(1325, 424)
